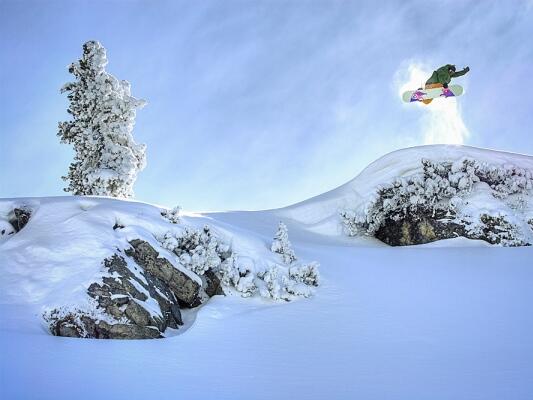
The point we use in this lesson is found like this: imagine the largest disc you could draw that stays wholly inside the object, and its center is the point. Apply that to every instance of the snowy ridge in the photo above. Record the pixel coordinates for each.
(320, 214)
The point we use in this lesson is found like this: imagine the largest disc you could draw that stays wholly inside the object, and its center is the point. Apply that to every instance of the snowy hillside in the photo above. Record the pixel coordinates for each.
(443, 320)
(471, 183)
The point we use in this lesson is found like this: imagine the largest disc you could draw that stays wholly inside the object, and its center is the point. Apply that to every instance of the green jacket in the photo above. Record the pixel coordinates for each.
(442, 75)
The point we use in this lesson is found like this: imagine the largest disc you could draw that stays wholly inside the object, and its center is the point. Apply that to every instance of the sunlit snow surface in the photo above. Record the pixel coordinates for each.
(448, 320)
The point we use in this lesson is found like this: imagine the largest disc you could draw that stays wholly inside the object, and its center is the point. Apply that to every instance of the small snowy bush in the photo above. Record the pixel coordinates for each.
(282, 245)
(172, 215)
(197, 250)
(305, 273)
(238, 273)
(497, 229)
(107, 159)
(274, 282)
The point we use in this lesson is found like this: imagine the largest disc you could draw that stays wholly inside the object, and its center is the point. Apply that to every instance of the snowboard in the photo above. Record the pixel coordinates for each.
(426, 94)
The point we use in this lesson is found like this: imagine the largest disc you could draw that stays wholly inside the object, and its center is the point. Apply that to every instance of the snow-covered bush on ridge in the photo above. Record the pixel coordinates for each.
(203, 250)
(172, 215)
(239, 273)
(305, 273)
(499, 228)
(441, 191)
(274, 281)
(282, 245)
(197, 250)
(107, 159)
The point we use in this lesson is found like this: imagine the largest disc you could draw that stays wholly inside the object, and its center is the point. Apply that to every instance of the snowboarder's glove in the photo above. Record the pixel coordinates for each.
(467, 69)
(445, 85)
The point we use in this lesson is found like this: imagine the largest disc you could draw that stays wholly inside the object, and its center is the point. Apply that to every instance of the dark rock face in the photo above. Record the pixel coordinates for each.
(185, 289)
(83, 326)
(419, 230)
(19, 218)
(137, 278)
(425, 228)
(213, 286)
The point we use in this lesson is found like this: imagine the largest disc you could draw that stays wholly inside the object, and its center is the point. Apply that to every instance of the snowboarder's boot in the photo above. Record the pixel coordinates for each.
(431, 86)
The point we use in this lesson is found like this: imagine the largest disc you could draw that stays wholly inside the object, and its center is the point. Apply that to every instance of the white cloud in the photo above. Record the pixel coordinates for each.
(441, 121)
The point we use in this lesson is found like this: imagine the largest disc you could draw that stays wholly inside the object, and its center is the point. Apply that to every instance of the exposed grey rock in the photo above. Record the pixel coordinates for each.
(183, 287)
(80, 325)
(122, 298)
(125, 331)
(418, 230)
(137, 314)
(176, 313)
(19, 218)
(213, 285)
(425, 228)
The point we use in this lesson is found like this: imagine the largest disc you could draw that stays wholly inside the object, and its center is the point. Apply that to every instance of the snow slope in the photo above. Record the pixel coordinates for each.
(449, 320)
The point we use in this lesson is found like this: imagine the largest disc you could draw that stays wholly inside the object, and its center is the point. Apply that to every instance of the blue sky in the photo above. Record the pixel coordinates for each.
(260, 104)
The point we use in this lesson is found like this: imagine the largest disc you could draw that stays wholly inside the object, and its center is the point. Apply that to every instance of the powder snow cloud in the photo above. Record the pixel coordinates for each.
(441, 121)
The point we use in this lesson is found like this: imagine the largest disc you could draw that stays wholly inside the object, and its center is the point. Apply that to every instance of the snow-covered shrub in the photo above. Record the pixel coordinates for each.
(172, 215)
(438, 191)
(197, 250)
(305, 273)
(496, 229)
(282, 245)
(238, 273)
(275, 283)
(505, 180)
(107, 159)
(203, 250)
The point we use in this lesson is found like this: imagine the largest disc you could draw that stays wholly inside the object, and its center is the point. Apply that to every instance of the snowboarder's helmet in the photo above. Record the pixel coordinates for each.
(451, 67)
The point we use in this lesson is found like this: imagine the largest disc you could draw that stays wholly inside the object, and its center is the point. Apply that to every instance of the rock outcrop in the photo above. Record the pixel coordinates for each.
(420, 229)
(19, 217)
(139, 297)
(447, 199)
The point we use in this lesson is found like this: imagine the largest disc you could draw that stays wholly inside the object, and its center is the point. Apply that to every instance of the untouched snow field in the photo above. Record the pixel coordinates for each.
(447, 320)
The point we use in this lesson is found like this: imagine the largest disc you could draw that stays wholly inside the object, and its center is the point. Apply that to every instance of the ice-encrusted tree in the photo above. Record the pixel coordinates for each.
(107, 159)
(282, 245)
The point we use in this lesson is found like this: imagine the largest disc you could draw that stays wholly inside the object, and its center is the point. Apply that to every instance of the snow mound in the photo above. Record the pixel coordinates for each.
(70, 244)
(320, 214)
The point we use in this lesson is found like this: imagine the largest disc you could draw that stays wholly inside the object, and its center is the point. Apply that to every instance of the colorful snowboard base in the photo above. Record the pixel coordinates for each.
(424, 95)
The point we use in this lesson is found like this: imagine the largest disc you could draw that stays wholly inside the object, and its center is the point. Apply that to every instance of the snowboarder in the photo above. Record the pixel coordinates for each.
(443, 76)
(437, 86)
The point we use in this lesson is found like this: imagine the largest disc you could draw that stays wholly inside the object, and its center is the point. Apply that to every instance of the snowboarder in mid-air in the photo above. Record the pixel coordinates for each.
(443, 76)
(438, 85)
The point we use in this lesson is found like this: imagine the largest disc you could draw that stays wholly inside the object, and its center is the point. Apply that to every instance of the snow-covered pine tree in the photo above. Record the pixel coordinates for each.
(107, 159)
(281, 244)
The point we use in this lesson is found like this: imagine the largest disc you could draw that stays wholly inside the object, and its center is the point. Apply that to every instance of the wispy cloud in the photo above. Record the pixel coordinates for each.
(441, 121)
